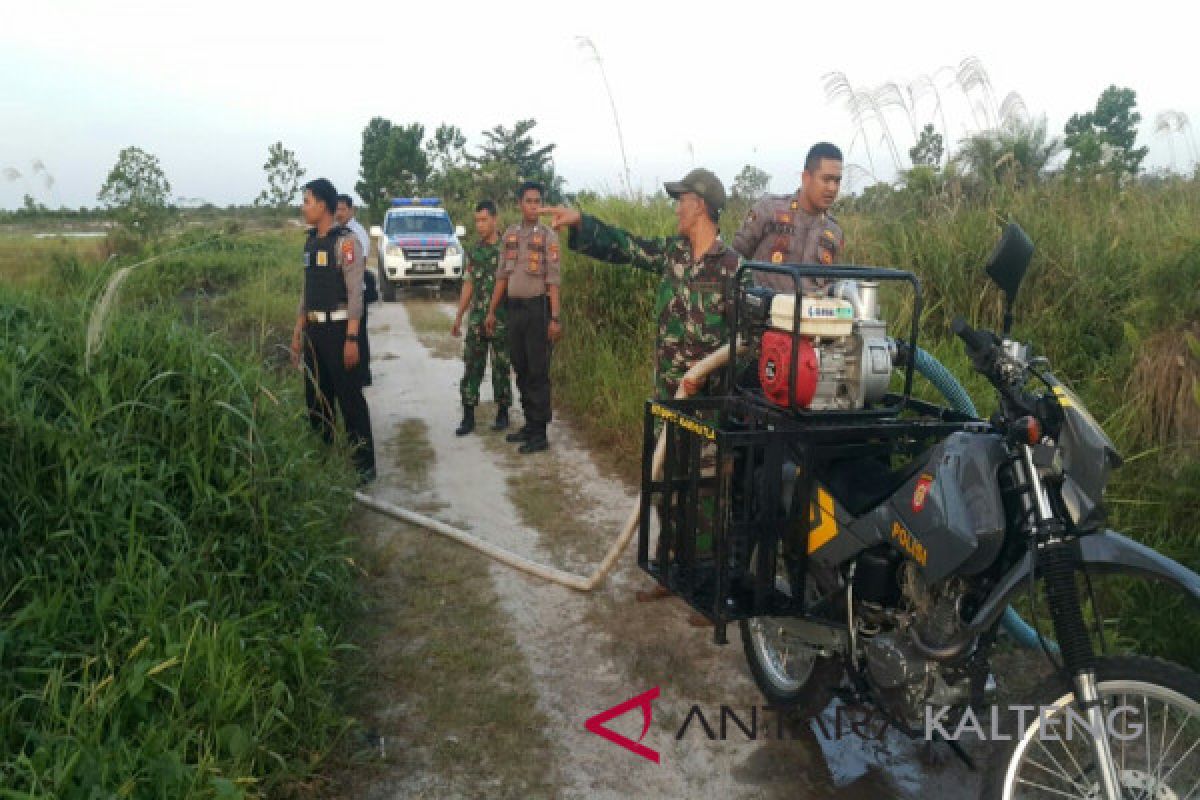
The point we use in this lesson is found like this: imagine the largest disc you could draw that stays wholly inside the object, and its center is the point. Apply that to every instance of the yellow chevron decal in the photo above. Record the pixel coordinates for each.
(826, 522)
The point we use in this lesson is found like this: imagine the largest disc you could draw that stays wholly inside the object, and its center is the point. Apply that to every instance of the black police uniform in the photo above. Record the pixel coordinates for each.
(326, 379)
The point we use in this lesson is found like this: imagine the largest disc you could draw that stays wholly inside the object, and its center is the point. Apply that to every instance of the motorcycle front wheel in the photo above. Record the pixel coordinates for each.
(1152, 722)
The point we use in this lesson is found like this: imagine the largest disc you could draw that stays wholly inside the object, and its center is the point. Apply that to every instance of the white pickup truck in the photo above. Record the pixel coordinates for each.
(417, 244)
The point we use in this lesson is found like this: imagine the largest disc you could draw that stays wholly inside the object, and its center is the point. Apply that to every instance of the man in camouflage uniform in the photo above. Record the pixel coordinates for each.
(697, 271)
(483, 257)
(797, 228)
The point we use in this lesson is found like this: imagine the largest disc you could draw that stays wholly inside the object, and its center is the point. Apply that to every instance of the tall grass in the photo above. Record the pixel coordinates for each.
(1116, 273)
(173, 568)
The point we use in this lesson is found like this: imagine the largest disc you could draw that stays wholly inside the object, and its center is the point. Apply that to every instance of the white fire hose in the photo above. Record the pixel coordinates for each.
(692, 380)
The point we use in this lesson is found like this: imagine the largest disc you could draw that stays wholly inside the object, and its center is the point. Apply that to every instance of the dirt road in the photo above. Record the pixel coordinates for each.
(486, 675)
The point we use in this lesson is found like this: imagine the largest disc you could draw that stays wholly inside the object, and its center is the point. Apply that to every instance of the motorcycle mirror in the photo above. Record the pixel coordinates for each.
(1007, 264)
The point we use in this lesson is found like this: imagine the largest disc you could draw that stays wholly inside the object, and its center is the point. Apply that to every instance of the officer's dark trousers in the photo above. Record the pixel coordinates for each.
(529, 350)
(327, 383)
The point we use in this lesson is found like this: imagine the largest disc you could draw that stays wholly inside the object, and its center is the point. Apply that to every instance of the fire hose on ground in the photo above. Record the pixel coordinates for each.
(690, 384)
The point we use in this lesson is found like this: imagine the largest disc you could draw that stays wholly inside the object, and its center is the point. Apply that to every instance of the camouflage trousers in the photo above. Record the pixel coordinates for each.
(475, 357)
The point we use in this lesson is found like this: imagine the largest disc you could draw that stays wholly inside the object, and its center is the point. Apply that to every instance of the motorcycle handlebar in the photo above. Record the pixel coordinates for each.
(989, 359)
(978, 343)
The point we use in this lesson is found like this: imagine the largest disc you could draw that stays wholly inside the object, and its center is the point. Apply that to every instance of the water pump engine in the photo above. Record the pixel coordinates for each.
(840, 357)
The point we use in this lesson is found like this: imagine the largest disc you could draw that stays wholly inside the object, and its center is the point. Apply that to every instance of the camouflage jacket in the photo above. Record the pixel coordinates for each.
(482, 262)
(691, 300)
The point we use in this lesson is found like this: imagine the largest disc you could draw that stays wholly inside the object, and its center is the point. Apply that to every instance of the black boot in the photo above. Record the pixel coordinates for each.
(501, 422)
(536, 443)
(518, 436)
(468, 421)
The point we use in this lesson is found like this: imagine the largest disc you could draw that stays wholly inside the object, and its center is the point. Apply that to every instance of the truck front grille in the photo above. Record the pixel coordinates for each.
(424, 253)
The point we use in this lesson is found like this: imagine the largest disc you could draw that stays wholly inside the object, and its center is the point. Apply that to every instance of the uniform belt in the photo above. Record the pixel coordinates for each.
(527, 301)
(341, 315)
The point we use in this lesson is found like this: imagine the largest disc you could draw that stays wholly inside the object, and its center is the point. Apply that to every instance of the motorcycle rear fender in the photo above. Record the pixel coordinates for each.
(1106, 552)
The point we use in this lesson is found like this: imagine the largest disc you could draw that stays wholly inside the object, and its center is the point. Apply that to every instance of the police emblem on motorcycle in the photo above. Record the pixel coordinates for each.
(921, 493)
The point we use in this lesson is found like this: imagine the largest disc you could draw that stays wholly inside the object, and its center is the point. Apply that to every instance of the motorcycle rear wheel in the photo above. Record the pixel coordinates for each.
(789, 673)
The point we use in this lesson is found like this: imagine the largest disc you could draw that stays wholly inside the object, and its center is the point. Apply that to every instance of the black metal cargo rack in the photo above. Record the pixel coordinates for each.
(737, 437)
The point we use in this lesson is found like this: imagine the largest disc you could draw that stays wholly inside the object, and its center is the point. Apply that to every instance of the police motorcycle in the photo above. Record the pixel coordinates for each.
(868, 544)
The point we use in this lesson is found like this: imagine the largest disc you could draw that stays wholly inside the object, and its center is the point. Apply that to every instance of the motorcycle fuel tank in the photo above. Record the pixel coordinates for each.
(949, 516)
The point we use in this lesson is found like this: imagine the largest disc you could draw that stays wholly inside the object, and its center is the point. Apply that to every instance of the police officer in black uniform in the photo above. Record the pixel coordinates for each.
(328, 324)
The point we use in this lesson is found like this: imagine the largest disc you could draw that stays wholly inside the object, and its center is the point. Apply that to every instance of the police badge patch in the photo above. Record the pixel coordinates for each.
(322, 258)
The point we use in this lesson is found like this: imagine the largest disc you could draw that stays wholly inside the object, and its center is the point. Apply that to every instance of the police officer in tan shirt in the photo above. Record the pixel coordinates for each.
(798, 228)
(527, 281)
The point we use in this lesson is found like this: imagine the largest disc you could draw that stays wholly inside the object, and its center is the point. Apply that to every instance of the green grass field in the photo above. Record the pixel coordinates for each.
(174, 575)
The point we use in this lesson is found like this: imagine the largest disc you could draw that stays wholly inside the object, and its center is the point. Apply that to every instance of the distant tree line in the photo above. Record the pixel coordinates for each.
(401, 161)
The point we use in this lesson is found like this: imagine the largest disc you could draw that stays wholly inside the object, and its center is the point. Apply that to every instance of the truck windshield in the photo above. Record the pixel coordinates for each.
(417, 224)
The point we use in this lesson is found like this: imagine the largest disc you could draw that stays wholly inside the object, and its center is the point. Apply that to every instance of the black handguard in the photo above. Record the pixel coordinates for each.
(990, 361)
(981, 345)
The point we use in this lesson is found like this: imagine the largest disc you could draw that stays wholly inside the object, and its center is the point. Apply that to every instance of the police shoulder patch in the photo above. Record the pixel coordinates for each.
(348, 251)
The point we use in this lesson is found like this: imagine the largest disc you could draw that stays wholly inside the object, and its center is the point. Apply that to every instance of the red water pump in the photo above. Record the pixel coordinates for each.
(775, 369)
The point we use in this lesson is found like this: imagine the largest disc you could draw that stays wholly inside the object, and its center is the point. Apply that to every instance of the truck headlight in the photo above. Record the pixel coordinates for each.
(394, 250)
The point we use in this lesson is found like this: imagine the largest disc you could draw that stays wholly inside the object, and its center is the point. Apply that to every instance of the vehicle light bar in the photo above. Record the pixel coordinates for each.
(416, 201)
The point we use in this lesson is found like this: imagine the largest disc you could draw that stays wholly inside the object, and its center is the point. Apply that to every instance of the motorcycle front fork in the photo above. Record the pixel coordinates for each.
(1056, 562)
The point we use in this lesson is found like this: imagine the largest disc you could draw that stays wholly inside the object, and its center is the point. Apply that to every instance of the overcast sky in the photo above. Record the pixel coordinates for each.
(208, 85)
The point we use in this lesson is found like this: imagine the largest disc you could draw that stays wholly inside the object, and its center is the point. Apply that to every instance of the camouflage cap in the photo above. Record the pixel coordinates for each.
(703, 183)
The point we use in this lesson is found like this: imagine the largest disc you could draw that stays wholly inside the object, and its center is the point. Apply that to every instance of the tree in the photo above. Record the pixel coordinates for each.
(137, 191)
(1104, 137)
(928, 150)
(1016, 153)
(516, 148)
(750, 183)
(283, 178)
(31, 206)
(392, 163)
(446, 149)
(451, 178)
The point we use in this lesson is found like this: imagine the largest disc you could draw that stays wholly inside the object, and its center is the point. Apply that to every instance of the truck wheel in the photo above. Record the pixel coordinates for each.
(387, 289)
